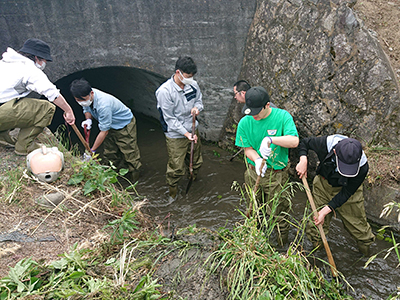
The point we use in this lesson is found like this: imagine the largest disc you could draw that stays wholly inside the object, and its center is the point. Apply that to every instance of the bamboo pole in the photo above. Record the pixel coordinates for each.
(321, 230)
(78, 133)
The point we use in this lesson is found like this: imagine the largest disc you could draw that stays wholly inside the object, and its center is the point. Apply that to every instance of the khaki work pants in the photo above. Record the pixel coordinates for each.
(178, 158)
(120, 147)
(352, 213)
(30, 115)
(271, 186)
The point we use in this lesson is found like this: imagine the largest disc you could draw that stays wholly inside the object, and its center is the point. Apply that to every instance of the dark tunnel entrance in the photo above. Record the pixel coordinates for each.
(133, 86)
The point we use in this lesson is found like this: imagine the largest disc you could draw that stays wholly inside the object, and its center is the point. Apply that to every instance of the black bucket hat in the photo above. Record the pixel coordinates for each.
(348, 157)
(256, 98)
(38, 48)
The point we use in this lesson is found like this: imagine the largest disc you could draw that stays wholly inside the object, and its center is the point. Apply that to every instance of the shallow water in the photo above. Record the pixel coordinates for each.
(211, 203)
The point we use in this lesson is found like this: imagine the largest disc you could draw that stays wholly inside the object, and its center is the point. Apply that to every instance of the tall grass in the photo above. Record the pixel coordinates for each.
(10, 184)
(251, 268)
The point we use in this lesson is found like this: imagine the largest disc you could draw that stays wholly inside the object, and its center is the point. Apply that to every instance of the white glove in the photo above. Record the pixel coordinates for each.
(86, 157)
(88, 123)
(265, 149)
(258, 166)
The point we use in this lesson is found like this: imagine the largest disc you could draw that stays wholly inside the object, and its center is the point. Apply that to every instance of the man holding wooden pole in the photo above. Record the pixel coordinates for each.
(337, 187)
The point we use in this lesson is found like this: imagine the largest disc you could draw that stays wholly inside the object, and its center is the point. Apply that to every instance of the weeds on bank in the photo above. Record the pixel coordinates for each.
(126, 224)
(95, 175)
(252, 268)
(10, 184)
(70, 277)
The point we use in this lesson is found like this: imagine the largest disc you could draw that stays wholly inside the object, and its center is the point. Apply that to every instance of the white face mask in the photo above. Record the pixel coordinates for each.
(185, 80)
(85, 103)
(42, 66)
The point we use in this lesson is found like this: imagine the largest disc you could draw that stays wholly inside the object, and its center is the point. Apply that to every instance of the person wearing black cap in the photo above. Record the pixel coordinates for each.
(267, 132)
(337, 187)
(20, 74)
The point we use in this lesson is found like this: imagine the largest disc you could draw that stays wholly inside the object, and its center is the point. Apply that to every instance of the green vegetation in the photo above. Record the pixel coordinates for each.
(124, 266)
(251, 268)
(68, 278)
(11, 184)
(95, 175)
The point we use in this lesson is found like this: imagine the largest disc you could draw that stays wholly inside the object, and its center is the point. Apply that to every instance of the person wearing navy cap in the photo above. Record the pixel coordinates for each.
(20, 74)
(338, 186)
(267, 133)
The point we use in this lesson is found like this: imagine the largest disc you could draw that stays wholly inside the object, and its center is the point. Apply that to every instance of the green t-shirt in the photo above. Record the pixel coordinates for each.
(250, 133)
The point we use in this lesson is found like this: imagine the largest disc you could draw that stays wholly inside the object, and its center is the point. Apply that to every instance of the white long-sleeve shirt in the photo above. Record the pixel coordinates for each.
(19, 76)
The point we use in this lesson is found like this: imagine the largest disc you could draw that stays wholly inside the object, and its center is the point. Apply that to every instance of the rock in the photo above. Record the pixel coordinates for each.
(318, 61)
(50, 200)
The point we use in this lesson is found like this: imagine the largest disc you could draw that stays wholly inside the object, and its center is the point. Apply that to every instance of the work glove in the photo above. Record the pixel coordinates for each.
(258, 166)
(265, 149)
(88, 123)
(86, 157)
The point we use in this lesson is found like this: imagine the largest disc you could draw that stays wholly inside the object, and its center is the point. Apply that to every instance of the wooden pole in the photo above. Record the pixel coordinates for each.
(321, 230)
(236, 154)
(191, 155)
(78, 133)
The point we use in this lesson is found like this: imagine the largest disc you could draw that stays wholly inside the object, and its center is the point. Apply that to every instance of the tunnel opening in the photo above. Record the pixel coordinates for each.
(133, 86)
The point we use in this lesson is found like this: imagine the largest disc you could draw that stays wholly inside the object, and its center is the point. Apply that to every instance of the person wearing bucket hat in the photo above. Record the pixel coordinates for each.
(337, 187)
(20, 74)
(267, 133)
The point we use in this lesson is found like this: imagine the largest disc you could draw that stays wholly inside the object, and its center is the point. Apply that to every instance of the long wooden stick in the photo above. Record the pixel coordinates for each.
(236, 154)
(321, 230)
(191, 155)
(79, 134)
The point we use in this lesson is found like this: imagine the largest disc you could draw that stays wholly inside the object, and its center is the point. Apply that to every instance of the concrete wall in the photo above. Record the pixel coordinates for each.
(144, 34)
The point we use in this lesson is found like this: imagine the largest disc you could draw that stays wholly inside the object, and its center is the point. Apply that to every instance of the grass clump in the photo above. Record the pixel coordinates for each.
(71, 277)
(251, 268)
(10, 185)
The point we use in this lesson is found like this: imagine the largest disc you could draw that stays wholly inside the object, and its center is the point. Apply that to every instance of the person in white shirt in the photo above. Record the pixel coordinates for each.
(20, 74)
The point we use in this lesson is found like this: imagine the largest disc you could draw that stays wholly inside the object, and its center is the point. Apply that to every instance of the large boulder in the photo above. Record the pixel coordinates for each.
(319, 62)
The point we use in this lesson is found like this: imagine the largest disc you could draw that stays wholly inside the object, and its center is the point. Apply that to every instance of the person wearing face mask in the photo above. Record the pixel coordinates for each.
(117, 126)
(178, 100)
(20, 74)
(267, 133)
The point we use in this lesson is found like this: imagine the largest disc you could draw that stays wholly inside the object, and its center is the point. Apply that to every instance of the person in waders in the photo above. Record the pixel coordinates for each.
(178, 100)
(338, 187)
(20, 74)
(267, 133)
(116, 123)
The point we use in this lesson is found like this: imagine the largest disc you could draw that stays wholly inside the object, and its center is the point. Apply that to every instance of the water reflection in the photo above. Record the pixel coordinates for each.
(211, 203)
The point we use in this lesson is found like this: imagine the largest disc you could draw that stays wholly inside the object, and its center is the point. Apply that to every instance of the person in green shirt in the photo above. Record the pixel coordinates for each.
(267, 132)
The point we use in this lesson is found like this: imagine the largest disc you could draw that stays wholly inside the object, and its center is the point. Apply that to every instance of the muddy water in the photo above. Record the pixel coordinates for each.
(211, 203)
